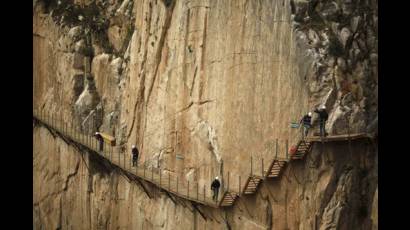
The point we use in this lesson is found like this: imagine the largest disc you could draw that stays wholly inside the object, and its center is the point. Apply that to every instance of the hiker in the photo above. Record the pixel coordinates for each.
(135, 153)
(100, 140)
(215, 188)
(322, 119)
(306, 122)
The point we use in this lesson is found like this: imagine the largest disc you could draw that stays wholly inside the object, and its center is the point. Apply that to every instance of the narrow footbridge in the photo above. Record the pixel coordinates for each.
(170, 182)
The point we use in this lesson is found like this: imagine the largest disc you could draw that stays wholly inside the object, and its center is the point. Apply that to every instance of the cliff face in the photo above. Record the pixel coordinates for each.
(200, 87)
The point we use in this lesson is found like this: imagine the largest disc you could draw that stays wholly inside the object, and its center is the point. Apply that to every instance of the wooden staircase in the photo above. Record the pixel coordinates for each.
(228, 199)
(303, 147)
(276, 168)
(251, 184)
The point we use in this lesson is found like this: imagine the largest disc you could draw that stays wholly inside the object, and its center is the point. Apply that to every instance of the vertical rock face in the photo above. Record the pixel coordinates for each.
(345, 48)
(201, 87)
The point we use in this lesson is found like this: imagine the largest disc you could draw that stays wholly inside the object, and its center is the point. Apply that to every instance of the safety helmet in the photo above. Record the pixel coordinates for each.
(310, 114)
(323, 107)
(133, 146)
(96, 133)
(216, 178)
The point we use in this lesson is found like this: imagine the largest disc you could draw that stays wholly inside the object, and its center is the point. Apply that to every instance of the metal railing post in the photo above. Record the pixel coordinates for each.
(204, 193)
(124, 160)
(287, 149)
(239, 184)
(251, 166)
(160, 172)
(262, 168)
(110, 156)
(72, 129)
(107, 150)
(177, 184)
(47, 120)
(276, 154)
(55, 123)
(228, 182)
(136, 168)
(197, 191)
(144, 169)
(152, 174)
(51, 123)
(187, 193)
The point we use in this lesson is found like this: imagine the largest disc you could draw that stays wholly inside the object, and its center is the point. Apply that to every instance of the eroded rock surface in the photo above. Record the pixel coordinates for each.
(201, 87)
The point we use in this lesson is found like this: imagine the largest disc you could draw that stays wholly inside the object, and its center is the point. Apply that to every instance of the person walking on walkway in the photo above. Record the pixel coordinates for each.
(323, 115)
(135, 154)
(100, 140)
(215, 188)
(306, 123)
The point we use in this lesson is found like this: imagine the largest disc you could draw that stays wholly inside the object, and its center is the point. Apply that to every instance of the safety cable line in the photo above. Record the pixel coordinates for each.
(63, 129)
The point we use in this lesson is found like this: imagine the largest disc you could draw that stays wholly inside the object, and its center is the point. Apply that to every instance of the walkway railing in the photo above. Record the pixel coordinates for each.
(171, 182)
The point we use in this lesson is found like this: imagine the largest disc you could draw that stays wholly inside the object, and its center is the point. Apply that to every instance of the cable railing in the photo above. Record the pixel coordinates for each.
(166, 179)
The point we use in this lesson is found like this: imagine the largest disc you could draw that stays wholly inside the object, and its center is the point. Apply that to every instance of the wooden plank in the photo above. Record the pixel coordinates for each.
(342, 137)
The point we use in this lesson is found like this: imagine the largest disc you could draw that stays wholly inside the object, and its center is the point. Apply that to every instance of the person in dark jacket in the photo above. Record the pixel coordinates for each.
(306, 122)
(215, 188)
(100, 140)
(323, 115)
(135, 154)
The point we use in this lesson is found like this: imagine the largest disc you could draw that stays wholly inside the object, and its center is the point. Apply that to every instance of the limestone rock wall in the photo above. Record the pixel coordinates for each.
(201, 87)
(334, 188)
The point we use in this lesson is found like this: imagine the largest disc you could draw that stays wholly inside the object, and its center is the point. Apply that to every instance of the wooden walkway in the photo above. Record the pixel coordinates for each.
(170, 182)
(343, 137)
